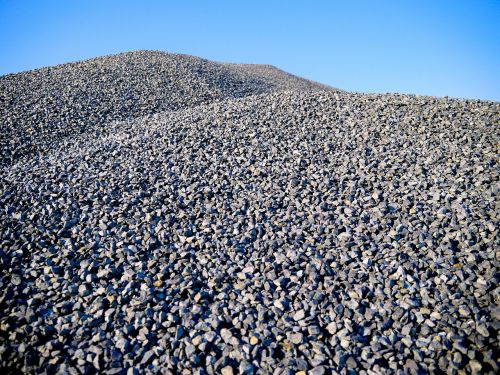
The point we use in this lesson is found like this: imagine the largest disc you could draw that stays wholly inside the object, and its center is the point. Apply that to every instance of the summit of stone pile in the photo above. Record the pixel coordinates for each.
(67, 99)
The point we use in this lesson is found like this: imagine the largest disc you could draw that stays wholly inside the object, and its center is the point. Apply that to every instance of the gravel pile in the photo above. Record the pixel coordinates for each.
(289, 232)
(45, 105)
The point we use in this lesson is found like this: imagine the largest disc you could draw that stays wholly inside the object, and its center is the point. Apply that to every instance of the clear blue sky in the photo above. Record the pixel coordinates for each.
(424, 47)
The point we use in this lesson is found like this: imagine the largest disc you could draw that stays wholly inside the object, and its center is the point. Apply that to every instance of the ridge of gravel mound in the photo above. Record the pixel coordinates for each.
(42, 106)
(278, 78)
(290, 231)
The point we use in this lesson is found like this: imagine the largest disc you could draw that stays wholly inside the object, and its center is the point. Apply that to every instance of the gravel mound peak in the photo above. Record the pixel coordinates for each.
(43, 105)
(296, 230)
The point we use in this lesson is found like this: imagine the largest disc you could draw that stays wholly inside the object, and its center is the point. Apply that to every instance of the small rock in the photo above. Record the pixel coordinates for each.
(299, 315)
(296, 338)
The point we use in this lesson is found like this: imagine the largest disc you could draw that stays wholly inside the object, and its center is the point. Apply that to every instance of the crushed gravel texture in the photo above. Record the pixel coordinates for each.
(299, 230)
(47, 104)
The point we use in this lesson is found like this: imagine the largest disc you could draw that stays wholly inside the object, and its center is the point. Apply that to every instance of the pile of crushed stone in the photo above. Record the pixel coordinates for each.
(286, 230)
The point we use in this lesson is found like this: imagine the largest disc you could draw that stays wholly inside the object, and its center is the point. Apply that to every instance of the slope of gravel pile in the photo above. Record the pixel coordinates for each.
(278, 79)
(43, 105)
(282, 233)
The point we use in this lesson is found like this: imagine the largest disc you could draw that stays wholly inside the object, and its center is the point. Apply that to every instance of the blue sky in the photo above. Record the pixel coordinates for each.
(423, 47)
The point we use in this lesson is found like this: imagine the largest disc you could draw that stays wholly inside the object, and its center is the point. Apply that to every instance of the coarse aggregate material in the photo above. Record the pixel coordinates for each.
(43, 105)
(269, 225)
